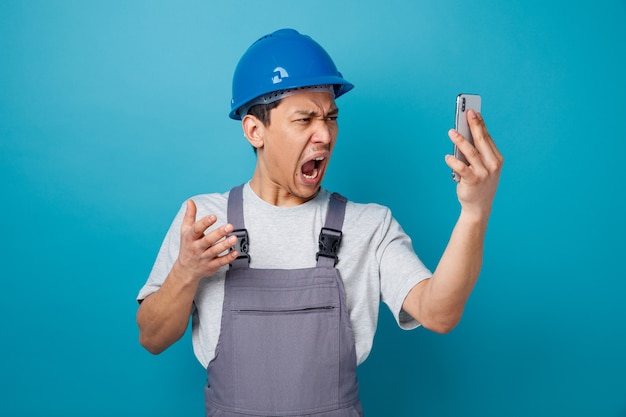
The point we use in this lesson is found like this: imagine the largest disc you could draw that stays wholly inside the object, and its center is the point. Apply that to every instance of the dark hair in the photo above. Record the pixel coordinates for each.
(262, 111)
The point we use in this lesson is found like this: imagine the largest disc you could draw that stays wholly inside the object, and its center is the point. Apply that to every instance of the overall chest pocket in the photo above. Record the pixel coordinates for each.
(287, 356)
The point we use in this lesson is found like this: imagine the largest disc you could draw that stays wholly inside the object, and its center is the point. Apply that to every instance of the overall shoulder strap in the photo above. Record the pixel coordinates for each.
(235, 217)
(330, 235)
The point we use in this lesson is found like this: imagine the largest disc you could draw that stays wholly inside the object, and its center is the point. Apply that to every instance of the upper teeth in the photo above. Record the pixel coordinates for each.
(321, 158)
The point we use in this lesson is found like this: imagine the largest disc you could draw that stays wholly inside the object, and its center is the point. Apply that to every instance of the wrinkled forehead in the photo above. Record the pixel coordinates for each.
(321, 103)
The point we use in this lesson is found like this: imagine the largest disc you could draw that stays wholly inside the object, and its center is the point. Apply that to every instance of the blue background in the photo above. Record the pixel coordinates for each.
(112, 113)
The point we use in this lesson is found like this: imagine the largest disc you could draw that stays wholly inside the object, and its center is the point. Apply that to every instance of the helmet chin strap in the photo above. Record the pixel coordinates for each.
(280, 94)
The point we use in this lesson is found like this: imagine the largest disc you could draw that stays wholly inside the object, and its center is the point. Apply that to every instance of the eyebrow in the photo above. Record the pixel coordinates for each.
(312, 113)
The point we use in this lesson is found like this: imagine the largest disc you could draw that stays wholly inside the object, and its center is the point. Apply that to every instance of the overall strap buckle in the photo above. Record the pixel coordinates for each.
(241, 246)
(329, 241)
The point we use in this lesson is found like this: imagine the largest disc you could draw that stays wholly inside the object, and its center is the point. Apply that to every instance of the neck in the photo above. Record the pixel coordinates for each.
(277, 195)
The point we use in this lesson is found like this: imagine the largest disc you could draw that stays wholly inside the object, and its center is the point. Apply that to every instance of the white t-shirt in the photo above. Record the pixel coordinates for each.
(376, 261)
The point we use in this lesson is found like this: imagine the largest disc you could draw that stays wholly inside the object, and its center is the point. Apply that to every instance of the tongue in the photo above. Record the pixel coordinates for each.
(308, 168)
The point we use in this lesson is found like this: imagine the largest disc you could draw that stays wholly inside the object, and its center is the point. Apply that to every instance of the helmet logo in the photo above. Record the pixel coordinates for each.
(279, 74)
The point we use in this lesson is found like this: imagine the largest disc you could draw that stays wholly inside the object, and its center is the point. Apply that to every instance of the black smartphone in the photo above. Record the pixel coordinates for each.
(464, 102)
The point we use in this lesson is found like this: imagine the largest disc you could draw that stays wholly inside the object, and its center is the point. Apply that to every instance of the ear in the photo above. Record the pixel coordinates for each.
(253, 129)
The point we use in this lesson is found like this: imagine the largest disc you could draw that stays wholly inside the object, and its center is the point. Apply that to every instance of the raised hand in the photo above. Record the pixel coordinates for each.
(201, 255)
(479, 179)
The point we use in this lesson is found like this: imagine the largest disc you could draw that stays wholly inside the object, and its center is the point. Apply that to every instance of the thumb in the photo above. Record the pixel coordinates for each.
(190, 214)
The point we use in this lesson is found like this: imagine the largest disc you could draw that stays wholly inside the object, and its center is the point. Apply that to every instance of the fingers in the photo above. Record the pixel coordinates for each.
(468, 150)
(218, 241)
(482, 139)
(483, 156)
(194, 232)
(456, 165)
(196, 229)
(202, 253)
(216, 247)
(217, 262)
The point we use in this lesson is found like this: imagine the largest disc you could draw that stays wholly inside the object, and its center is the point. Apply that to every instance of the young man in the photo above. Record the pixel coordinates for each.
(283, 280)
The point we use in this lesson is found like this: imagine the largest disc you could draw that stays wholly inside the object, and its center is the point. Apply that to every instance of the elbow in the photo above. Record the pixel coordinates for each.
(155, 341)
(434, 312)
(442, 324)
(151, 336)
(441, 328)
(150, 345)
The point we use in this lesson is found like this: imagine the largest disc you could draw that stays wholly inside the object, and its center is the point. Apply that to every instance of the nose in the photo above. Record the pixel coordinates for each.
(323, 132)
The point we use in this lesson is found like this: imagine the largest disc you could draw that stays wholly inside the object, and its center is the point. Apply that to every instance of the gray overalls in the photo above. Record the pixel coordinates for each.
(286, 346)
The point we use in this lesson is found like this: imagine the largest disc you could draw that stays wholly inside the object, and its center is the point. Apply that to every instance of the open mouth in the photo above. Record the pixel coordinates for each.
(310, 169)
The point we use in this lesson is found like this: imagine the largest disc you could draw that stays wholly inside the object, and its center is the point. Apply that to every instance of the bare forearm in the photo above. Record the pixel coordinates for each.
(439, 302)
(460, 264)
(164, 315)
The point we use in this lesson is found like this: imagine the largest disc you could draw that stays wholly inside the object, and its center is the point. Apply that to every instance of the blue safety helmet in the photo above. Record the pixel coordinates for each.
(283, 60)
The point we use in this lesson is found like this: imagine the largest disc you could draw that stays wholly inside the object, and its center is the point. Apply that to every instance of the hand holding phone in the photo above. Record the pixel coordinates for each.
(464, 102)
